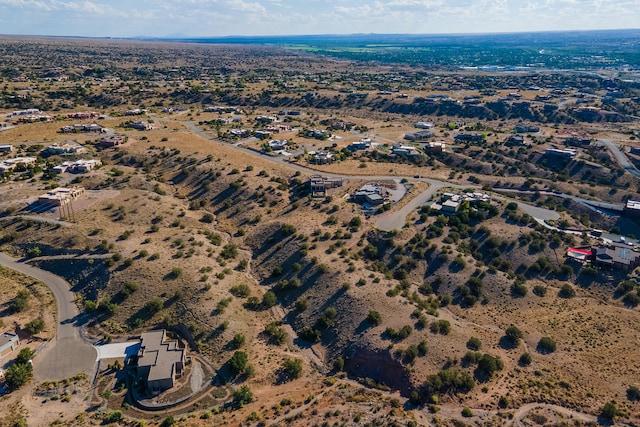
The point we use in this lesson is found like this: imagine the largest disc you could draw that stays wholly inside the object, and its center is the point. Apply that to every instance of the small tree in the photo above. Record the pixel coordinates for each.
(238, 363)
(546, 345)
(269, 299)
(18, 374)
(374, 318)
(242, 396)
(525, 359)
(609, 411)
(238, 340)
(35, 326)
(292, 368)
(514, 335)
(567, 291)
(25, 355)
(474, 344)
(21, 301)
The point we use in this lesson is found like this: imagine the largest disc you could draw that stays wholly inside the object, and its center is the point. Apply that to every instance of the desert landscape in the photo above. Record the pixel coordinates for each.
(202, 234)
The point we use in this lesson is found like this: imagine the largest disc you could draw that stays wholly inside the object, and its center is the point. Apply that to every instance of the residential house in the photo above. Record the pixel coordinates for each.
(632, 209)
(573, 141)
(84, 166)
(239, 133)
(9, 342)
(565, 154)
(135, 112)
(111, 141)
(363, 144)
(27, 112)
(6, 148)
(9, 165)
(84, 115)
(266, 119)
(263, 134)
(424, 125)
(438, 146)
(141, 125)
(450, 206)
(404, 150)
(515, 140)
(35, 118)
(80, 128)
(370, 194)
(526, 129)
(619, 256)
(160, 361)
(64, 148)
(278, 144)
(320, 184)
(60, 196)
(323, 157)
(419, 136)
(469, 137)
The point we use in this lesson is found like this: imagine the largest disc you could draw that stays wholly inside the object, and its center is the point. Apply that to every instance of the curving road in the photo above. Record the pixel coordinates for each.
(622, 160)
(69, 354)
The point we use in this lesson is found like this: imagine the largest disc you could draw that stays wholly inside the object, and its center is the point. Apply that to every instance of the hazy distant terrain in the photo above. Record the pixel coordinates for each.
(559, 50)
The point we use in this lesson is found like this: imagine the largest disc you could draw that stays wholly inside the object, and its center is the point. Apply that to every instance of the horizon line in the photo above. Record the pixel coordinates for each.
(267, 36)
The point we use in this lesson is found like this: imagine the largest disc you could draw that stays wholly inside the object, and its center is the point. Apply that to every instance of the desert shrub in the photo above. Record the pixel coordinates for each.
(302, 304)
(442, 327)
(567, 291)
(633, 393)
(229, 251)
(525, 359)
(238, 363)
(35, 326)
(310, 334)
(276, 334)
(155, 305)
(207, 218)
(242, 396)
(467, 413)
(374, 318)
(400, 334)
(288, 229)
(21, 301)
(609, 411)
(269, 299)
(474, 344)
(540, 290)
(240, 291)
(238, 340)
(448, 381)
(292, 368)
(546, 345)
(514, 335)
(130, 287)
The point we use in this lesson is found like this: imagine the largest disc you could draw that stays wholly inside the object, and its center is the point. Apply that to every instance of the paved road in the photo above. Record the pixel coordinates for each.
(620, 157)
(69, 354)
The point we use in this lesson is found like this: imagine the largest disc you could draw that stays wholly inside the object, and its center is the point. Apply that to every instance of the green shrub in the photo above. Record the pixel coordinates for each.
(546, 345)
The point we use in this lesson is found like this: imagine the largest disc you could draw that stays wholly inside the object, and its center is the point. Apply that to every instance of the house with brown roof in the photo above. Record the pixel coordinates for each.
(160, 361)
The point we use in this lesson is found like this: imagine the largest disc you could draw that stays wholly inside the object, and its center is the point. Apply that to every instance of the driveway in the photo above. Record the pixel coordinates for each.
(68, 355)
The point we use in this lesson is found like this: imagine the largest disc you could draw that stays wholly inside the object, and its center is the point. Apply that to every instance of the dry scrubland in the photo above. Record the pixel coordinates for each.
(216, 243)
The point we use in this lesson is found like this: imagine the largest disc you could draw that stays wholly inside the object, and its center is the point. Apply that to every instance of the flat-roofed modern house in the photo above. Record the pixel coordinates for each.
(160, 361)
(8, 343)
(60, 196)
(6, 148)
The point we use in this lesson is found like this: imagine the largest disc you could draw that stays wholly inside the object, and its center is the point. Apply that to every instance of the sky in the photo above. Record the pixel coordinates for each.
(208, 18)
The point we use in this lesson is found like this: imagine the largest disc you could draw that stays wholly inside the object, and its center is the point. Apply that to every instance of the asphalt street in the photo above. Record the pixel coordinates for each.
(68, 355)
